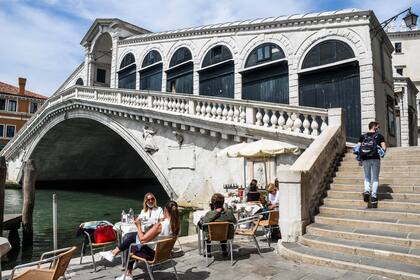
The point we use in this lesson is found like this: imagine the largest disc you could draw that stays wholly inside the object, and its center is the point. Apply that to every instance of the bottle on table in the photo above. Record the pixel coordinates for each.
(123, 217)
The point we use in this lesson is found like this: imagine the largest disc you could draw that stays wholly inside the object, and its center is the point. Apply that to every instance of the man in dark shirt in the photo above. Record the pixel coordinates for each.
(218, 214)
(371, 161)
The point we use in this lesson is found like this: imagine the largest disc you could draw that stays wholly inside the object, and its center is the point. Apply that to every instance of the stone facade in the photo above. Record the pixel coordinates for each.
(296, 35)
(405, 61)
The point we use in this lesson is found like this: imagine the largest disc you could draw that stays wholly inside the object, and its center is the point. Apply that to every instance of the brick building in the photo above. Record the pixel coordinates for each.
(17, 105)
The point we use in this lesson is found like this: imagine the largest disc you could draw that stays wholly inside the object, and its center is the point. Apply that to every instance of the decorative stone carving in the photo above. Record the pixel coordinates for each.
(149, 143)
(179, 138)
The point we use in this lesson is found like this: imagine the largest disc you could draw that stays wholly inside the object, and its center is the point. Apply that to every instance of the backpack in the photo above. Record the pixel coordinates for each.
(368, 148)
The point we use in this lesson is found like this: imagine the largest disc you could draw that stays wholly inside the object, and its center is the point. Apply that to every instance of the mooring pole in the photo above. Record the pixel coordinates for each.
(55, 221)
(29, 177)
(2, 186)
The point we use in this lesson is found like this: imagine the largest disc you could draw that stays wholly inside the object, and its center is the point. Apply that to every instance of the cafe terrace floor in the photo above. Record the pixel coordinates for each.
(248, 265)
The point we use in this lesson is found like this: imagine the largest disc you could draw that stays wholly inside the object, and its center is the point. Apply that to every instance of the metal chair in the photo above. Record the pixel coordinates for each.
(162, 254)
(96, 246)
(219, 231)
(58, 266)
(270, 223)
(251, 231)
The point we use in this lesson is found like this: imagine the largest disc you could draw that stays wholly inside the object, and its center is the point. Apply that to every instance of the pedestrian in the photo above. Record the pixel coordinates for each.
(371, 147)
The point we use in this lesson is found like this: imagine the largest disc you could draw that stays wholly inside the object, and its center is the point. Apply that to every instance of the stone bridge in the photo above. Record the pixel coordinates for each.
(87, 133)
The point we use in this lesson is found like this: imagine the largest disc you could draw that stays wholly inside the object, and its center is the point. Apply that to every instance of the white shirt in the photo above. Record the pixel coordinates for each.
(274, 198)
(152, 216)
(165, 232)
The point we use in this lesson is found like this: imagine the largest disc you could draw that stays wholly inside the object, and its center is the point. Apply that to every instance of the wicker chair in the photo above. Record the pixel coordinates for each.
(270, 223)
(219, 231)
(162, 254)
(58, 266)
(96, 246)
(254, 222)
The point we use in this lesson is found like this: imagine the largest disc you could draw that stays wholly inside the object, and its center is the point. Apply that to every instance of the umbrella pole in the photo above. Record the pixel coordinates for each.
(265, 171)
(244, 173)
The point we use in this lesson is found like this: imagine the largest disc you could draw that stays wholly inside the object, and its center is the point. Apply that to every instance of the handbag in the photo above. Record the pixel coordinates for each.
(104, 233)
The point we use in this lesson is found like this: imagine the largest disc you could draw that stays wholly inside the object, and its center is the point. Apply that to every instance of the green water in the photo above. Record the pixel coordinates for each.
(74, 207)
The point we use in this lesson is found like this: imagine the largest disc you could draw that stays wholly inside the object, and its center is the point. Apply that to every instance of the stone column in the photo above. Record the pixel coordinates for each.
(290, 202)
(113, 83)
(88, 65)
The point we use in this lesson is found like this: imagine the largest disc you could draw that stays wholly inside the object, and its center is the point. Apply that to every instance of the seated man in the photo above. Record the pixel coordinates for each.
(253, 195)
(218, 214)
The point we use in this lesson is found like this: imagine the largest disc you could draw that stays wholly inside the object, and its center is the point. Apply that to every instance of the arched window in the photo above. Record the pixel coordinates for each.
(180, 74)
(330, 79)
(266, 75)
(327, 52)
(216, 75)
(127, 72)
(79, 82)
(151, 72)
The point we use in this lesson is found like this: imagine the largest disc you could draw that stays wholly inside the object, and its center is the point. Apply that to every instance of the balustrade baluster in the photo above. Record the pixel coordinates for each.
(230, 113)
(266, 119)
(224, 113)
(297, 123)
(203, 109)
(289, 122)
(236, 113)
(273, 119)
(324, 124)
(314, 126)
(258, 118)
(281, 120)
(306, 124)
(198, 108)
(214, 110)
(219, 111)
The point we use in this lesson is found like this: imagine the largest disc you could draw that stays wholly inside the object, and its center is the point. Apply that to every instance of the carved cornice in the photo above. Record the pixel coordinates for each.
(263, 24)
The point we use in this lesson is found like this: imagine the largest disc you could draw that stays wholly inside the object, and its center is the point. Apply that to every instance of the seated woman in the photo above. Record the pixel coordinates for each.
(273, 196)
(151, 213)
(253, 195)
(168, 227)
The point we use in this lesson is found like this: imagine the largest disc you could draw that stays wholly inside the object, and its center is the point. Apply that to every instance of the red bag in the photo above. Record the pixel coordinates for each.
(104, 233)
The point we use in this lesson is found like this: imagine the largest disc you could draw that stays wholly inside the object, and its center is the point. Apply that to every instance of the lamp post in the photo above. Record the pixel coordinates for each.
(410, 21)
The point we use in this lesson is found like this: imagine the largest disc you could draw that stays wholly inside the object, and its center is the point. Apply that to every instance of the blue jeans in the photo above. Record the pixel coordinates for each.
(371, 168)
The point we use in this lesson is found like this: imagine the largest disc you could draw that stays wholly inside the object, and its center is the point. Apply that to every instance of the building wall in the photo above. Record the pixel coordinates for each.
(408, 59)
(18, 118)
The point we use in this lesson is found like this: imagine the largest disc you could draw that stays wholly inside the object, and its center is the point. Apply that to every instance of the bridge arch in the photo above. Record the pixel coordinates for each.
(130, 137)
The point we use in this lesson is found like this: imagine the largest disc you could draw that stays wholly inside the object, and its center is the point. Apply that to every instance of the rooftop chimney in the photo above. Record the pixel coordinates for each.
(22, 83)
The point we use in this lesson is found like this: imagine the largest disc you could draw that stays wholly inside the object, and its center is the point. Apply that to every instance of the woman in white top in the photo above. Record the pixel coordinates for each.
(169, 226)
(151, 213)
(273, 196)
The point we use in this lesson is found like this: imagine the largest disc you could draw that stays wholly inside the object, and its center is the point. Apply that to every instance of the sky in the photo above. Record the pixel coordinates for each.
(40, 39)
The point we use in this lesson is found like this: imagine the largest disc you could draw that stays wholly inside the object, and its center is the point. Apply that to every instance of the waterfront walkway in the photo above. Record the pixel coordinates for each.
(248, 265)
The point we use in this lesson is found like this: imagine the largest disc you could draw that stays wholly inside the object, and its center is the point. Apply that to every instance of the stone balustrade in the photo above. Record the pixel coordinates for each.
(297, 120)
(303, 122)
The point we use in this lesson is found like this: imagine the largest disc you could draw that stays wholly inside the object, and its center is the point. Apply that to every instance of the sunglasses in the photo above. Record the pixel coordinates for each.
(150, 199)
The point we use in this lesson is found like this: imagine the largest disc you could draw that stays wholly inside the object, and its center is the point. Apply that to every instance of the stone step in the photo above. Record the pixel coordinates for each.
(298, 252)
(411, 197)
(384, 204)
(359, 173)
(389, 181)
(382, 188)
(372, 223)
(411, 163)
(405, 239)
(343, 211)
(393, 253)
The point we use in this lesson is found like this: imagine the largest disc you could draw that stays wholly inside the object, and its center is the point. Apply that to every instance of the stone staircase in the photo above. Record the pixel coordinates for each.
(384, 241)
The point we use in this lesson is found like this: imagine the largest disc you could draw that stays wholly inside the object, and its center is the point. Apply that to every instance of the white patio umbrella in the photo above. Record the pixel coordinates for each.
(262, 148)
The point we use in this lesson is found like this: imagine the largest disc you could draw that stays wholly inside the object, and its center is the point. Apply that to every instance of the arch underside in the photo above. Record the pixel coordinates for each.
(84, 150)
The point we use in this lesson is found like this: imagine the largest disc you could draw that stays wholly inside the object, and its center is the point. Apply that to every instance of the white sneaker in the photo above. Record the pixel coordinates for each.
(122, 277)
(107, 255)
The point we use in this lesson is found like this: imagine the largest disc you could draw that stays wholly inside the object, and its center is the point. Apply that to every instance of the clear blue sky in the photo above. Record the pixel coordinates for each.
(40, 38)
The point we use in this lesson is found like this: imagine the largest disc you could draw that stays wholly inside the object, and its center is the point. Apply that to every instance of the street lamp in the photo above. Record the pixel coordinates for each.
(410, 21)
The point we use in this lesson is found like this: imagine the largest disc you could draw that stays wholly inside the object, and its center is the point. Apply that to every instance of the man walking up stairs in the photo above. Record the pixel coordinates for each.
(383, 241)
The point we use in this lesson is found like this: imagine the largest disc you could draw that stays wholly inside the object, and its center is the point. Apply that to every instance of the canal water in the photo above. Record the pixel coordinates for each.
(74, 207)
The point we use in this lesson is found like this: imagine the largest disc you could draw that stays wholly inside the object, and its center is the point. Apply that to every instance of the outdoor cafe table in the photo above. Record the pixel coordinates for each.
(249, 209)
